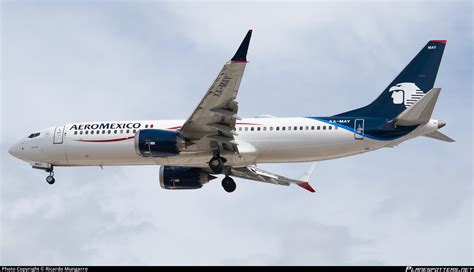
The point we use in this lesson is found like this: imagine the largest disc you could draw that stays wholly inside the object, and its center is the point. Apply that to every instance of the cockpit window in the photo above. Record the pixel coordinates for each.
(33, 135)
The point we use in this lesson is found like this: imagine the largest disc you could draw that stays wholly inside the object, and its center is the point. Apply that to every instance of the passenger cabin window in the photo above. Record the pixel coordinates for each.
(75, 132)
(319, 127)
(330, 127)
(258, 128)
(240, 128)
(295, 128)
(33, 135)
(301, 128)
(264, 128)
(277, 128)
(312, 127)
(324, 127)
(246, 128)
(283, 128)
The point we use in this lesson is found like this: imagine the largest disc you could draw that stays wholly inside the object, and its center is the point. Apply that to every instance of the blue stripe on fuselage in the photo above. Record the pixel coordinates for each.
(374, 128)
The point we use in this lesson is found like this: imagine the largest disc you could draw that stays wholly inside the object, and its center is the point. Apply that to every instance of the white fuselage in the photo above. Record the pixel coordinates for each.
(260, 140)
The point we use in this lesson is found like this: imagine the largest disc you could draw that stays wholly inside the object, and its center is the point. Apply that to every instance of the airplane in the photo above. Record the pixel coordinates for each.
(214, 140)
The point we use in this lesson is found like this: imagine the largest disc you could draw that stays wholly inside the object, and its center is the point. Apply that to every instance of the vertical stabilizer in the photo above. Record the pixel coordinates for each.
(408, 87)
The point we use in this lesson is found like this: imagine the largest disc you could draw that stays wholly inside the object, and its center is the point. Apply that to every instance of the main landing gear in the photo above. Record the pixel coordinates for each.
(228, 184)
(216, 164)
(50, 178)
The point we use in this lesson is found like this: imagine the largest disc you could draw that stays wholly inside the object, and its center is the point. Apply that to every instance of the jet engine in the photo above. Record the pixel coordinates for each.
(179, 178)
(158, 143)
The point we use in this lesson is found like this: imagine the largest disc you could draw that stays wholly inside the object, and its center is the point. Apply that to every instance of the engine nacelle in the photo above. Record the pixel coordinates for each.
(158, 143)
(179, 178)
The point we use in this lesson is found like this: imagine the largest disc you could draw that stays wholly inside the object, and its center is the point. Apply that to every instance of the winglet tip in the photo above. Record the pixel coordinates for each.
(306, 186)
(241, 54)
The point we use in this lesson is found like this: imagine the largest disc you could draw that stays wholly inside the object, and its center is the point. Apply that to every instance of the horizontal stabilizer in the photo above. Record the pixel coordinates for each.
(420, 112)
(439, 136)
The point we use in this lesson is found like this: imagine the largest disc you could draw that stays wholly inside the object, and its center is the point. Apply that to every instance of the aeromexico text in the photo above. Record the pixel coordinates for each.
(106, 126)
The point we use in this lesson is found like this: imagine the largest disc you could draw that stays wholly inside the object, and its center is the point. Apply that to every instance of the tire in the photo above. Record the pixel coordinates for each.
(228, 184)
(216, 165)
(50, 179)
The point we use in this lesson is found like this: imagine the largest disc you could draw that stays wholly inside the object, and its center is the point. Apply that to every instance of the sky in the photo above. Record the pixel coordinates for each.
(74, 61)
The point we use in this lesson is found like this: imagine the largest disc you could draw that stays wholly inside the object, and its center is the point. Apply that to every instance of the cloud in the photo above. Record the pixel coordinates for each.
(91, 61)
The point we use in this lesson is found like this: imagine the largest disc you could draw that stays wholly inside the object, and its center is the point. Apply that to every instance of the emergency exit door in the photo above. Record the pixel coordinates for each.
(359, 129)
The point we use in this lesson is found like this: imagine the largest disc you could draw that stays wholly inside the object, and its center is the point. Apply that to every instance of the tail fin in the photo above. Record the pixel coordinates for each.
(408, 87)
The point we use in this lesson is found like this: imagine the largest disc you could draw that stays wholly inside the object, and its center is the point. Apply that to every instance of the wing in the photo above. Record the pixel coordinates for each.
(254, 173)
(212, 124)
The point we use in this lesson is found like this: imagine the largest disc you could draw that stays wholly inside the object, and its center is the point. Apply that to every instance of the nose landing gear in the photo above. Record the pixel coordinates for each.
(50, 178)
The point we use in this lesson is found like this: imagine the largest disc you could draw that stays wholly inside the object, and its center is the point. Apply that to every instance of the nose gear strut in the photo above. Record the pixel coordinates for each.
(50, 178)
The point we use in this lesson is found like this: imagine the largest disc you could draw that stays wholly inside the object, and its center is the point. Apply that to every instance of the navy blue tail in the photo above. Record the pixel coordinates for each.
(409, 86)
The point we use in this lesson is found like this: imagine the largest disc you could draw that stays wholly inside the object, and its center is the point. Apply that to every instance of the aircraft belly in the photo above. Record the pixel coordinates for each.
(109, 153)
(312, 148)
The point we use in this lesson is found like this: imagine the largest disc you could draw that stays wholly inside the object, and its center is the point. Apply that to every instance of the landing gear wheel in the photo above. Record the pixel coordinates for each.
(50, 179)
(228, 184)
(217, 165)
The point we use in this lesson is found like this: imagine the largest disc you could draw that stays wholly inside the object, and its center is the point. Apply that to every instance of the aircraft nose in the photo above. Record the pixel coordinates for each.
(14, 150)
